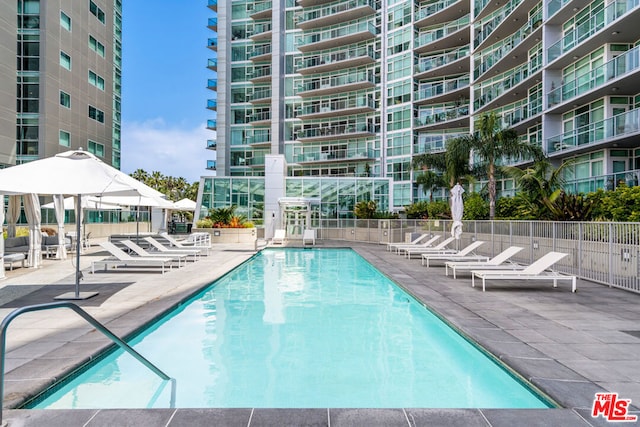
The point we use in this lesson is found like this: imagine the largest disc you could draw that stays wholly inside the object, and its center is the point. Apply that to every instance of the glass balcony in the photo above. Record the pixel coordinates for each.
(261, 10)
(335, 37)
(490, 90)
(555, 5)
(436, 61)
(260, 53)
(485, 27)
(212, 144)
(213, 43)
(260, 137)
(595, 23)
(319, 86)
(260, 95)
(609, 182)
(336, 60)
(212, 84)
(341, 106)
(336, 131)
(213, 24)
(261, 31)
(626, 63)
(478, 5)
(260, 74)
(432, 8)
(517, 112)
(212, 4)
(440, 114)
(493, 54)
(430, 90)
(595, 133)
(212, 124)
(335, 155)
(260, 117)
(212, 64)
(425, 38)
(435, 142)
(336, 13)
(212, 104)
(211, 165)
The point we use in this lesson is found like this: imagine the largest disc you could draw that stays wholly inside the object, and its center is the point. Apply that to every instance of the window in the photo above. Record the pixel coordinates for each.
(65, 99)
(65, 21)
(96, 80)
(96, 114)
(64, 138)
(95, 148)
(96, 46)
(96, 11)
(65, 60)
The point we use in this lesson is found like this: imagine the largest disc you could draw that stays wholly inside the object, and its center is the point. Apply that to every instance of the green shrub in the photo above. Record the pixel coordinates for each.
(418, 210)
(439, 210)
(475, 207)
(204, 223)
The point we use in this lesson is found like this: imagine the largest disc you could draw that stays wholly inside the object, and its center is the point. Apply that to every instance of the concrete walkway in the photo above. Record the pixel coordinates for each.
(569, 345)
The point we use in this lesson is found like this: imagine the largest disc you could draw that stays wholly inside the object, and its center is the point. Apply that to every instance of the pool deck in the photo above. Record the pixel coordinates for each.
(570, 345)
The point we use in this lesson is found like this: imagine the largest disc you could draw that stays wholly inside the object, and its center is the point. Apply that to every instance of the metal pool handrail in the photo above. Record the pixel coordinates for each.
(86, 316)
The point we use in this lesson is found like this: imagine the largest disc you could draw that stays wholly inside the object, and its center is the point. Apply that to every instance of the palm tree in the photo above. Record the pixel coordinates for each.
(488, 145)
(430, 181)
(454, 167)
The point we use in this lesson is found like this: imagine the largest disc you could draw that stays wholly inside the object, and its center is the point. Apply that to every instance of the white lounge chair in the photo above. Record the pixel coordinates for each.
(500, 261)
(279, 237)
(535, 271)
(441, 248)
(182, 245)
(309, 235)
(465, 253)
(196, 253)
(140, 251)
(397, 247)
(122, 259)
(392, 246)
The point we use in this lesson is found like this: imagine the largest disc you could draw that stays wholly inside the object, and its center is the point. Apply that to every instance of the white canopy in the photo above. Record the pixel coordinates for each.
(88, 202)
(154, 201)
(185, 205)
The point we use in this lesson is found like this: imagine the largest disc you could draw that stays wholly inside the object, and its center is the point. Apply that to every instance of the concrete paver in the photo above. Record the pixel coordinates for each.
(570, 345)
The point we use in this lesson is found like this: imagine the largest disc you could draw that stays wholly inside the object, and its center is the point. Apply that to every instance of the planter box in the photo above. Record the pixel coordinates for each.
(229, 235)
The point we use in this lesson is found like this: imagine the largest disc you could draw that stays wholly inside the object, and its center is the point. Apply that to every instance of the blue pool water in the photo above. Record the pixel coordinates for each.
(299, 328)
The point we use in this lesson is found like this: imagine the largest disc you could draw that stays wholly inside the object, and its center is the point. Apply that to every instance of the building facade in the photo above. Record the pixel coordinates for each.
(65, 58)
(352, 90)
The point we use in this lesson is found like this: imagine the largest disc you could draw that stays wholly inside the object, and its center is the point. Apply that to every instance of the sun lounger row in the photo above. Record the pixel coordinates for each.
(500, 267)
(163, 257)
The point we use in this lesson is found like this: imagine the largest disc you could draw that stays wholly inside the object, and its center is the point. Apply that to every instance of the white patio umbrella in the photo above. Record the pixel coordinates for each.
(88, 202)
(184, 205)
(457, 209)
(76, 173)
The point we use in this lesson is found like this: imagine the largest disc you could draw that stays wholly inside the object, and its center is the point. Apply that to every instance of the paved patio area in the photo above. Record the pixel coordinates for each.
(570, 345)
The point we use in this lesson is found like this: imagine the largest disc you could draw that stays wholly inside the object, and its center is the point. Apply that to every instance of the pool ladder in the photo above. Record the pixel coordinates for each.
(86, 316)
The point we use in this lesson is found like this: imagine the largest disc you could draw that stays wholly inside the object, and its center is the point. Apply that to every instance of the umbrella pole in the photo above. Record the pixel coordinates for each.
(77, 295)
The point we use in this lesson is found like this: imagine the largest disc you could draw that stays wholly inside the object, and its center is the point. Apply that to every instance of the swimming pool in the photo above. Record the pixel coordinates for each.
(299, 328)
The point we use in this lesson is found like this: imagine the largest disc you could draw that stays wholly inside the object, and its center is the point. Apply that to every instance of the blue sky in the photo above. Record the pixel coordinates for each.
(164, 95)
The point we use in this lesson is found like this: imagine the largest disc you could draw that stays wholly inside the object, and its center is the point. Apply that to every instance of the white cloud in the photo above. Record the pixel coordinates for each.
(171, 150)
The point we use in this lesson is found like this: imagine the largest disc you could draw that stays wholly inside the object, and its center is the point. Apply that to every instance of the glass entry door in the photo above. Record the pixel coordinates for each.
(295, 219)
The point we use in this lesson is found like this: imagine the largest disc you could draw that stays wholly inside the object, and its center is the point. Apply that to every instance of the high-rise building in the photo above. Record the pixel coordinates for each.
(60, 79)
(339, 96)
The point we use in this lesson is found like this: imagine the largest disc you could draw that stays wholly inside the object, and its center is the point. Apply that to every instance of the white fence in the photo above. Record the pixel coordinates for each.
(603, 252)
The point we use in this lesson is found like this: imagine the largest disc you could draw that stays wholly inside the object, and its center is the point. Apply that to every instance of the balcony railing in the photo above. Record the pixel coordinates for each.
(555, 5)
(623, 64)
(351, 78)
(213, 23)
(212, 43)
(513, 114)
(263, 6)
(334, 155)
(333, 9)
(432, 89)
(490, 90)
(260, 116)
(331, 131)
(212, 84)
(432, 8)
(260, 72)
(427, 37)
(212, 124)
(212, 104)
(595, 23)
(212, 64)
(429, 143)
(597, 132)
(490, 56)
(338, 105)
(435, 61)
(211, 165)
(335, 57)
(485, 27)
(260, 137)
(261, 50)
(260, 93)
(212, 4)
(212, 144)
(478, 5)
(434, 115)
(334, 36)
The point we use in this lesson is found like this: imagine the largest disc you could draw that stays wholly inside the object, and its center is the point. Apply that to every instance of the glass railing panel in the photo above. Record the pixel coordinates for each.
(212, 63)
(262, 27)
(431, 89)
(212, 144)
(212, 124)
(432, 8)
(212, 3)
(496, 52)
(428, 63)
(478, 5)
(431, 35)
(427, 143)
(337, 81)
(491, 22)
(338, 154)
(555, 5)
(213, 22)
(212, 42)
(595, 23)
(336, 56)
(211, 164)
(338, 105)
(434, 115)
(259, 138)
(489, 90)
(625, 63)
(336, 32)
(334, 8)
(596, 132)
(262, 6)
(212, 103)
(261, 94)
(332, 130)
(264, 49)
(260, 116)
